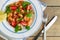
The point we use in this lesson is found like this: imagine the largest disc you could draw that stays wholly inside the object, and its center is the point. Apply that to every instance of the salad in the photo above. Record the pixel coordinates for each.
(20, 15)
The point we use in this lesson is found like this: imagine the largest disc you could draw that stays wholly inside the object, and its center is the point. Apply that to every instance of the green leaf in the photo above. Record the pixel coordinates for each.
(19, 19)
(16, 28)
(18, 9)
(29, 15)
(8, 10)
(25, 10)
(27, 27)
(25, 3)
(20, 28)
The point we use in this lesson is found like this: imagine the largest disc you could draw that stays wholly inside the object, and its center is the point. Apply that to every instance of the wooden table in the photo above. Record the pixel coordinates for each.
(53, 8)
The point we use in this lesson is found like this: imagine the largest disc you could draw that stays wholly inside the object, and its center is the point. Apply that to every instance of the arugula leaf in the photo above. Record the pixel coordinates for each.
(27, 27)
(18, 9)
(19, 19)
(25, 10)
(29, 15)
(8, 10)
(20, 28)
(16, 28)
(25, 3)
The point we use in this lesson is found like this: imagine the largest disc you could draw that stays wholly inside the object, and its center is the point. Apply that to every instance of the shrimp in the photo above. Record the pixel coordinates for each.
(10, 15)
(20, 15)
(29, 22)
(26, 18)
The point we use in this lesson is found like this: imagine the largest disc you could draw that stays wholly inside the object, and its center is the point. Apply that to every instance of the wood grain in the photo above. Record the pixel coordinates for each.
(48, 38)
(55, 29)
(52, 2)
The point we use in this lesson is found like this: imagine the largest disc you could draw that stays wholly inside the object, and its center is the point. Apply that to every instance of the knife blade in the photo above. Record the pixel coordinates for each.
(50, 23)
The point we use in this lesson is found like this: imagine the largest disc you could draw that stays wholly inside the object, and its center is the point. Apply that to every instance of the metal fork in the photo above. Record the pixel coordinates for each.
(45, 17)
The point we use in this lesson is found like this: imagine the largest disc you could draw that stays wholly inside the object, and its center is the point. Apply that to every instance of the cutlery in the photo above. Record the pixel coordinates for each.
(45, 22)
(49, 24)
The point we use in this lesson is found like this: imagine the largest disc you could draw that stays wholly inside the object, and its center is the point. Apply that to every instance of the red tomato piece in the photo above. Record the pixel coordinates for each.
(13, 23)
(23, 23)
(13, 7)
(29, 7)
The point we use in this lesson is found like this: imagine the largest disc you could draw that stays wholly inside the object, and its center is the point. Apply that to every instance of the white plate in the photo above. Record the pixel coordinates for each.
(9, 31)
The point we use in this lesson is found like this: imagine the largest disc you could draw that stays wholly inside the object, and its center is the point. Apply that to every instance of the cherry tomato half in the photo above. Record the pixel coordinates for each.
(13, 23)
(13, 7)
(23, 23)
(29, 7)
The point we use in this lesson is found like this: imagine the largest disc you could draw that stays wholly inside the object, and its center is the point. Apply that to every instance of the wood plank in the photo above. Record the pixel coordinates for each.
(52, 2)
(1, 38)
(55, 29)
(48, 38)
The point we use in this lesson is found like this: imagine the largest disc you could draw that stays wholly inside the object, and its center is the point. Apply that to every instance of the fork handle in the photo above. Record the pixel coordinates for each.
(44, 32)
